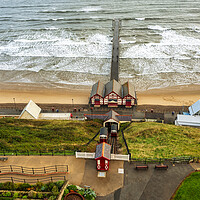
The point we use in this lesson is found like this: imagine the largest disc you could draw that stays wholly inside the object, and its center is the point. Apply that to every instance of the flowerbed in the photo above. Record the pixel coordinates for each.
(48, 191)
(88, 194)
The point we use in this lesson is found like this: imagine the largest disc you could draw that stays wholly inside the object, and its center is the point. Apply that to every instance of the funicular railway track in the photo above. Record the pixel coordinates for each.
(113, 145)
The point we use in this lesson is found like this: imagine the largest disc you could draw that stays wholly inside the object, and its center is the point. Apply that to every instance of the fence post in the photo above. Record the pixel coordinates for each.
(56, 168)
(4, 153)
(16, 153)
(24, 180)
(33, 170)
(40, 153)
(22, 170)
(52, 152)
(44, 170)
(11, 168)
(12, 179)
(51, 179)
(28, 153)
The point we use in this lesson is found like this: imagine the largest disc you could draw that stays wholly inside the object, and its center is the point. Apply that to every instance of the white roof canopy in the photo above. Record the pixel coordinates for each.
(195, 108)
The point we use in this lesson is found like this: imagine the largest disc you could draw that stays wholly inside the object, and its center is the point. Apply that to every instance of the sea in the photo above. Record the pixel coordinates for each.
(59, 43)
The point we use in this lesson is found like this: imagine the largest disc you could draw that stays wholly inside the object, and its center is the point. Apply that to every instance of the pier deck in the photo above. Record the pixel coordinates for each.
(115, 51)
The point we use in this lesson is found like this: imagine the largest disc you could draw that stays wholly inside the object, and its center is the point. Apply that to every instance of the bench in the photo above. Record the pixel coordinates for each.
(161, 166)
(142, 167)
(3, 158)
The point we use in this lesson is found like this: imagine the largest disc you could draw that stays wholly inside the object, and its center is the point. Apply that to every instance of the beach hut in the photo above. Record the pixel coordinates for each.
(103, 156)
(31, 111)
(129, 95)
(97, 94)
(113, 94)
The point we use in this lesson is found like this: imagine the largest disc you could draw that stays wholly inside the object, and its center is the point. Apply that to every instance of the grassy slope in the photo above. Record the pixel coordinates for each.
(155, 140)
(189, 189)
(43, 135)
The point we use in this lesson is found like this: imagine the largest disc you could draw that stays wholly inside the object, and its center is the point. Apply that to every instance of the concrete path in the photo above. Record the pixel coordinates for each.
(81, 172)
(150, 184)
(103, 186)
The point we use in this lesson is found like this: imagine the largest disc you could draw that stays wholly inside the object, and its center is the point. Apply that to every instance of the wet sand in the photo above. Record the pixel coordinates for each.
(22, 93)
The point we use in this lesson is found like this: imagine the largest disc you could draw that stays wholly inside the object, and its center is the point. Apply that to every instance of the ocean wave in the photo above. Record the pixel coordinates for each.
(157, 27)
(90, 9)
(140, 19)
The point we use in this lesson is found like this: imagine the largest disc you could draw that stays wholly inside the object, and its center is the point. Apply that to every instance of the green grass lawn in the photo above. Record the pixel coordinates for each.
(189, 189)
(46, 135)
(156, 140)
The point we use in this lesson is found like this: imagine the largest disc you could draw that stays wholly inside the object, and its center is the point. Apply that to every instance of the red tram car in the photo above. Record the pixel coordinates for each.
(103, 134)
(114, 130)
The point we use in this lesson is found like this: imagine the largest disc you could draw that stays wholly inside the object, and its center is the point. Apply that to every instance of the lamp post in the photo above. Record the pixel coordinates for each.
(15, 104)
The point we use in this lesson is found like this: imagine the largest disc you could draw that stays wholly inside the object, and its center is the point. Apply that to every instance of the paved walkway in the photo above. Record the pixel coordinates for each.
(150, 184)
(81, 172)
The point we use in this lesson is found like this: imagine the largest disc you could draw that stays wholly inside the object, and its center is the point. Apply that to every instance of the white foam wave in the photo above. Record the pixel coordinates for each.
(195, 28)
(157, 27)
(172, 45)
(64, 45)
(140, 19)
(90, 9)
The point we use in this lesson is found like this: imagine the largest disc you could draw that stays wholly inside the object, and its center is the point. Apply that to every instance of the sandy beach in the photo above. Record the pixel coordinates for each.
(170, 96)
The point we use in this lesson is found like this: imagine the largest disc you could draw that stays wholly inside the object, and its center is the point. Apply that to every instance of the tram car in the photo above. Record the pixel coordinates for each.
(103, 134)
(114, 129)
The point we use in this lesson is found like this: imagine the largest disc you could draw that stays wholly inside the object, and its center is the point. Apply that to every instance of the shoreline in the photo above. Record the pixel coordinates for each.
(183, 95)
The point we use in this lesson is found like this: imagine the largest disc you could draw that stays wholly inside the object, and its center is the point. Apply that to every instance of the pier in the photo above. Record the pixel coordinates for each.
(115, 51)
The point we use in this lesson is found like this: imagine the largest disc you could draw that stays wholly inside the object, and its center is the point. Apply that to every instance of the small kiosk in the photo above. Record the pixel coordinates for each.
(102, 156)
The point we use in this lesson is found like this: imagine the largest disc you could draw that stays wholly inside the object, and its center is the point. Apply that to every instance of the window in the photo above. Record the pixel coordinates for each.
(98, 162)
(106, 162)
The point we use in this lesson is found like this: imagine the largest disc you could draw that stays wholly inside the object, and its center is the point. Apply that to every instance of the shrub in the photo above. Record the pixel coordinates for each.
(72, 187)
(90, 194)
(55, 190)
(8, 186)
(7, 194)
(32, 194)
(39, 186)
(66, 191)
(1, 186)
(24, 186)
(15, 195)
(49, 186)
(52, 198)
(25, 197)
(59, 184)
(39, 195)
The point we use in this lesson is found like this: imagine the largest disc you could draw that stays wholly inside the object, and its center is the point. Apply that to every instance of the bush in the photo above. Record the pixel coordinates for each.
(24, 186)
(52, 198)
(55, 190)
(39, 186)
(32, 194)
(49, 186)
(66, 191)
(8, 186)
(59, 184)
(39, 195)
(15, 195)
(90, 194)
(7, 194)
(25, 197)
(72, 187)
